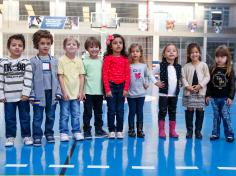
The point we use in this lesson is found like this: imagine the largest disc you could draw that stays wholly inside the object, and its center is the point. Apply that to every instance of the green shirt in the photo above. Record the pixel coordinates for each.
(93, 76)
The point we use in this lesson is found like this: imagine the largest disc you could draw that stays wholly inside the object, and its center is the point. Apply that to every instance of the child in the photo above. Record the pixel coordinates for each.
(45, 89)
(15, 87)
(116, 80)
(138, 85)
(93, 88)
(195, 76)
(71, 77)
(169, 86)
(221, 89)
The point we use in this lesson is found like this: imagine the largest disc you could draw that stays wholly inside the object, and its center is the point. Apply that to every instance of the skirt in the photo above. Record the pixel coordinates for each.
(194, 101)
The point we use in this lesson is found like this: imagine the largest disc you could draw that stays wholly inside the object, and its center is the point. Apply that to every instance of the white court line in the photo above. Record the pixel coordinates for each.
(186, 167)
(227, 168)
(143, 167)
(16, 165)
(98, 167)
(61, 166)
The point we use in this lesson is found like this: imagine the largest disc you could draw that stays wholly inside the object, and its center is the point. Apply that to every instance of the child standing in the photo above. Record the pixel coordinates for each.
(169, 86)
(15, 87)
(93, 88)
(116, 80)
(45, 89)
(195, 76)
(221, 89)
(71, 77)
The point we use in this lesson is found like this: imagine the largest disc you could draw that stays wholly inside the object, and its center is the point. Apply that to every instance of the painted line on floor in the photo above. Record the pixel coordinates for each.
(143, 167)
(226, 168)
(61, 166)
(16, 165)
(98, 167)
(186, 167)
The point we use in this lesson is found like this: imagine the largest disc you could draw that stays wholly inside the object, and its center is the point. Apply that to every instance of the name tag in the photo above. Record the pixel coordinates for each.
(46, 66)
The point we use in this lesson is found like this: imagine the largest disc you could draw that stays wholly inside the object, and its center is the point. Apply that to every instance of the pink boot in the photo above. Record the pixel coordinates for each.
(161, 125)
(173, 133)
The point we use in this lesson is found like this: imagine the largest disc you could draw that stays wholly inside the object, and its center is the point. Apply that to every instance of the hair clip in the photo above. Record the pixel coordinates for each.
(109, 39)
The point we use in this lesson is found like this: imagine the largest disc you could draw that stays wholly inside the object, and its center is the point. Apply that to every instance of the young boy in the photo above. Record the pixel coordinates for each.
(45, 89)
(15, 87)
(71, 77)
(93, 89)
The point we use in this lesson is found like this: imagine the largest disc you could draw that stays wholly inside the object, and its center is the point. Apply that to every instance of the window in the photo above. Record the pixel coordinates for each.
(224, 10)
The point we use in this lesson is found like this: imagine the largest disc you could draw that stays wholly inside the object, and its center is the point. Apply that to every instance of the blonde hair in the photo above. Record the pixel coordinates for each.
(134, 45)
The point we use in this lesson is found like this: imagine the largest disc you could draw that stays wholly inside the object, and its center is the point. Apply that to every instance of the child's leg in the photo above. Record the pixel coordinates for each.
(199, 122)
(64, 116)
(189, 122)
(139, 113)
(75, 114)
(111, 112)
(163, 101)
(217, 117)
(132, 110)
(97, 107)
(87, 115)
(172, 105)
(24, 116)
(120, 99)
(37, 121)
(10, 119)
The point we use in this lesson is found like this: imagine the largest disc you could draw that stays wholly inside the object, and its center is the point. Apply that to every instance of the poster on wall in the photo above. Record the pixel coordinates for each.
(50, 22)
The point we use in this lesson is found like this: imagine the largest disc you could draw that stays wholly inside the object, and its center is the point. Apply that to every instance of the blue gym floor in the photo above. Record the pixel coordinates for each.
(131, 156)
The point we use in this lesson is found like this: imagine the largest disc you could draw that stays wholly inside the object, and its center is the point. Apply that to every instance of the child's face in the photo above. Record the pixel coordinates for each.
(117, 45)
(135, 54)
(195, 55)
(16, 48)
(93, 51)
(171, 53)
(221, 60)
(44, 46)
(71, 47)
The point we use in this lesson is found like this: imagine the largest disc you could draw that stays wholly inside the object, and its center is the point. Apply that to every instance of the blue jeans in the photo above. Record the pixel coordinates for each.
(115, 106)
(221, 111)
(24, 116)
(70, 107)
(135, 107)
(38, 117)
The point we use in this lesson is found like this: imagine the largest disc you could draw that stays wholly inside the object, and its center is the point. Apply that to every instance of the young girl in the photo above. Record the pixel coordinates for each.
(169, 85)
(139, 72)
(116, 80)
(221, 89)
(195, 76)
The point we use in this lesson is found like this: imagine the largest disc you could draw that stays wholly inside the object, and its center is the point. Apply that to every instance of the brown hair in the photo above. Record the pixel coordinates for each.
(92, 41)
(16, 37)
(221, 51)
(189, 50)
(69, 39)
(41, 34)
(134, 45)
(164, 50)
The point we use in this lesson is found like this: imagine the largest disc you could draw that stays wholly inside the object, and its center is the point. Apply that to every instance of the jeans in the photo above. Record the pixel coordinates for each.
(93, 102)
(24, 116)
(69, 108)
(167, 104)
(115, 106)
(135, 107)
(38, 117)
(221, 111)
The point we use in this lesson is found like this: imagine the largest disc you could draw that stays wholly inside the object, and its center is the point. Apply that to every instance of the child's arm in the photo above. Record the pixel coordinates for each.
(2, 96)
(206, 78)
(81, 87)
(127, 78)
(231, 88)
(105, 78)
(62, 84)
(155, 81)
(27, 85)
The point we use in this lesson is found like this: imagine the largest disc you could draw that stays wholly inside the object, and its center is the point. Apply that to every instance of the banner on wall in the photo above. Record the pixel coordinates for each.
(50, 22)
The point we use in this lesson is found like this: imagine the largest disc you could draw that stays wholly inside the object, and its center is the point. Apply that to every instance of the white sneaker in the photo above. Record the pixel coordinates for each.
(78, 136)
(27, 140)
(112, 135)
(9, 142)
(120, 135)
(64, 137)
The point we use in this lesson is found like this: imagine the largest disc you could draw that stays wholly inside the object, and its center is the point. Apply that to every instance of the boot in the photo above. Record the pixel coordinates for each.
(189, 123)
(198, 124)
(173, 133)
(161, 125)
(140, 133)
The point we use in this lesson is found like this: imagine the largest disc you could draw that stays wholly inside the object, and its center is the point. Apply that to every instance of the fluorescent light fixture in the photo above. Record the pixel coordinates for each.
(85, 9)
(29, 9)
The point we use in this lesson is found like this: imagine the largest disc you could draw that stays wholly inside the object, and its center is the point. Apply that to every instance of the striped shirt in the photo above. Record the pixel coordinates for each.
(15, 78)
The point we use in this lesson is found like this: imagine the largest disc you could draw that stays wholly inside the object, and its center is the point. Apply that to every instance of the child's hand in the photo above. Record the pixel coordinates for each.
(66, 97)
(109, 94)
(81, 96)
(3, 100)
(24, 98)
(196, 88)
(145, 86)
(207, 100)
(160, 84)
(125, 93)
(229, 101)
(189, 88)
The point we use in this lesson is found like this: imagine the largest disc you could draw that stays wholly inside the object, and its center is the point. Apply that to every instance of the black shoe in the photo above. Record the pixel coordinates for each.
(214, 137)
(37, 142)
(50, 139)
(101, 133)
(87, 135)
(140, 134)
(131, 133)
(189, 135)
(230, 139)
(198, 134)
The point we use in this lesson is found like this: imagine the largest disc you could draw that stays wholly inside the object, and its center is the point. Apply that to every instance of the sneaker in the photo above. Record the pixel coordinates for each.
(100, 133)
(37, 142)
(230, 139)
(87, 135)
(119, 135)
(214, 137)
(27, 140)
(131, 133)
(50, 139)
(112, 135)
(140, 134)
(78, 136)
(64, 137)
(9, 142)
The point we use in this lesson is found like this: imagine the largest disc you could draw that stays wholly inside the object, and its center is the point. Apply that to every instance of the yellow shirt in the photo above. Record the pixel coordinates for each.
(71, 69)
